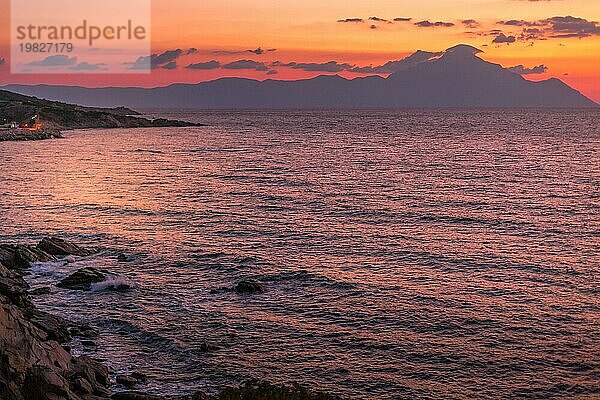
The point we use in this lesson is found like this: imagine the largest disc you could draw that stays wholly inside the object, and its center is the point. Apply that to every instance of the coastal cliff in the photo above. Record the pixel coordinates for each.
(35, 358)
(56, 117)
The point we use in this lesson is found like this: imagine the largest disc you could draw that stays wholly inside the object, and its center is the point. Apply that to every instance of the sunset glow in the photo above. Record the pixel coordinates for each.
(272, 35)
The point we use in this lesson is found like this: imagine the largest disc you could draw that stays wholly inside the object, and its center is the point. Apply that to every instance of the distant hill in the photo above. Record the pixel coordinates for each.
(60, 116)
(454, 78)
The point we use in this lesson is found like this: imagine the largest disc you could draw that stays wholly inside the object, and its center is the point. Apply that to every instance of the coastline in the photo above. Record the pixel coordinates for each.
(20, 135)
(34, 345)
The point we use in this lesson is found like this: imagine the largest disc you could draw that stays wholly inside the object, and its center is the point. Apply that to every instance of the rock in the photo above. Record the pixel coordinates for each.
(21, 256)
(264, 390)
(93, 372)
(88, 343)
(43, 382)
(135, 396)
(60, 247)
(122, 258)
(83, 279)
(249, 287)
(55, 327)
(206, 347)
(140, 377)
(127, 380)
(40, 291)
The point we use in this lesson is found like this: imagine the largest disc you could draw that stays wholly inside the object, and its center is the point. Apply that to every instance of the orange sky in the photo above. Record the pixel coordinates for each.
(307, 31)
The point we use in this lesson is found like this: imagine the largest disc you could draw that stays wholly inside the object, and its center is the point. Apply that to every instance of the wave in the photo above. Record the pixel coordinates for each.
(113, 283)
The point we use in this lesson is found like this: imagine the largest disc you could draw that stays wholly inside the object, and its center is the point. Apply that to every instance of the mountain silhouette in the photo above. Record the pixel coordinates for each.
(456, 77)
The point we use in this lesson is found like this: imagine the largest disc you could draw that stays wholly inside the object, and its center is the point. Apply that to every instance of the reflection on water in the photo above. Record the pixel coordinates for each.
(436, 254)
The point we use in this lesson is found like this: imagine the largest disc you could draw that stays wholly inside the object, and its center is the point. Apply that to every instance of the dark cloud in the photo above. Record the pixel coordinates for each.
(164, 60)
(166, 57)
(208, 65)
(429, 24)
(246, 64)
(84, 66)
(502, 38)
(259, 51)
(402, 19)
(555, 27)
(377, 19)
(54, 61)
(470, 23)
(169, 65)
(373, 27)
(564, 27)
(272, 72)
(355, 20)
(516, 22)
(331, 66)
(522, 70)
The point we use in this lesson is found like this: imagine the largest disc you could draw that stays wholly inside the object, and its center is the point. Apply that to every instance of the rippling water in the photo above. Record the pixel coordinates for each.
(406, 254)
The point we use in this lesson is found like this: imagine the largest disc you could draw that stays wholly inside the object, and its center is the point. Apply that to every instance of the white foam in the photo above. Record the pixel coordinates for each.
(112, 282)
(46, 268)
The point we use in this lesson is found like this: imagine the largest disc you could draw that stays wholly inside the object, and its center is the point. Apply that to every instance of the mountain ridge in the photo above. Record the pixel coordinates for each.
(456, 77)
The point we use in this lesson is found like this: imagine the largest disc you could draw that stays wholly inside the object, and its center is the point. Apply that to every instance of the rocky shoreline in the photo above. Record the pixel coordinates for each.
(26, 135)
(56, 117)
(35, 357)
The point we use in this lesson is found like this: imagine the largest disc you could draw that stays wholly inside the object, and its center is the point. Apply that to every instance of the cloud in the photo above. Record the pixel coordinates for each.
(246, 64)
(84, 66)
(2, 61)
(143, 63)
(165, 60)
(400, 65)
(259, 51)
(502, 38)
(331, 66)
(516, 22)
(54, 61)
(377, 19)
(272, 72)
(564, 27)
(166, 57)
(352, 20)
(429, 24)
(169, 65)
(205, 66)
(373, 27)
(522, 70)
(402, 19)
(470, 23)
(555, 27)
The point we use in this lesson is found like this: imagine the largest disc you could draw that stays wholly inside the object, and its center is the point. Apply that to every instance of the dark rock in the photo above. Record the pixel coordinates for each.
(267, 391)
(21, 256)
(127, 380)
(83, 279)
(88, 343)
(40, 291)
(122, 258)
(93, 372)
(55, 327)
(206, 347)
(45, 383)
(135, 396)
(60, 247)
(139, 376)
(249, 287)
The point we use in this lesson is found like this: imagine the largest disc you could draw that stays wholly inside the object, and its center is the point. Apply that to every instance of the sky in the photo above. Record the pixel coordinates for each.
(194, 41)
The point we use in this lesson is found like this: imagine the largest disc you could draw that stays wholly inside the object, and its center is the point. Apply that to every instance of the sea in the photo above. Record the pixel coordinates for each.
(405, 254)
